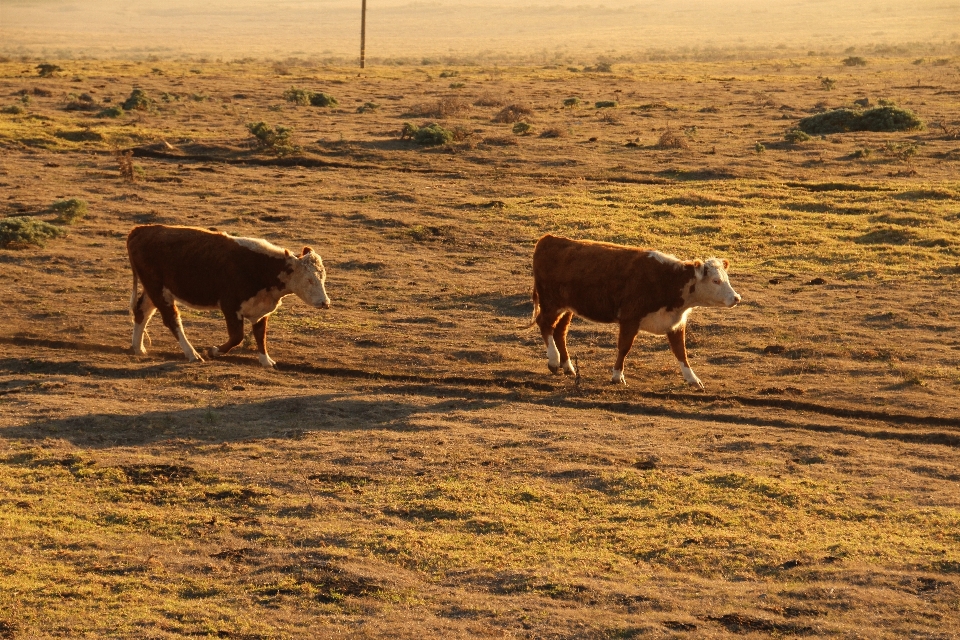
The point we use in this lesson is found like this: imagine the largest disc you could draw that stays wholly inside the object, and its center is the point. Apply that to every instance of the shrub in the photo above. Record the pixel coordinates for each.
(572, 102)
(521, 128)
(69, 211)
(276, 140)
(297, 96)
(432, 134)
(827, 84)
(449, 74)
(138, 100)
(488, 100)
(47, 70)
(553, 132)
(759, 148)
(513, 113)
(457, 85)
(83, 102)
(795, 136)
(323, 100)
(13, 109)
(20, 232)
(671, 139)
(854, 61)
(442, 108)
(862, 154)
(879, 119)
(600, 67)
(111, 112)
(368, 106)
(605, 104)
(862, 102)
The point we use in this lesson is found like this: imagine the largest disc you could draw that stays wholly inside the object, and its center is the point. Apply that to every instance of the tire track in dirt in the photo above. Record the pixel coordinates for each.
(642, 402)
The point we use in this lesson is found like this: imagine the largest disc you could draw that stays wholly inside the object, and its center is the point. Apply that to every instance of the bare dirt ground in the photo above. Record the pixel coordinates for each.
(411, 468)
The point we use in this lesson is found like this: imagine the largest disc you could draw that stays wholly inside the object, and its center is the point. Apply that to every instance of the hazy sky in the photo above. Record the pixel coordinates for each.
(239, 28)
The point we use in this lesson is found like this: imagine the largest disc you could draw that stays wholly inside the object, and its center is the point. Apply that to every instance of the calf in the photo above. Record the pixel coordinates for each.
(636, 288)
(243, 277)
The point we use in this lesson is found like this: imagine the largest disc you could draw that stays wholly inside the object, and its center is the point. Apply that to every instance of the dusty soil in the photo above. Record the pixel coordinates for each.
(412, 467)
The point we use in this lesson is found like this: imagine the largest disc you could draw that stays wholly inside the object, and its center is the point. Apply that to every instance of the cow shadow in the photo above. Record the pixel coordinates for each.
(276, 418)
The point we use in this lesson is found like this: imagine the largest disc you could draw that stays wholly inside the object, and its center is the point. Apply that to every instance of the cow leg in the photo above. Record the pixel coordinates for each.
(547, 322)
(141, 316)
(171, 318)
(560, 340)
(234, 331)
(678, 345)
(260, 333)
(628, 333)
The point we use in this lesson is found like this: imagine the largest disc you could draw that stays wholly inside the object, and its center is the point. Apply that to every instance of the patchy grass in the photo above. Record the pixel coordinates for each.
(20, 233)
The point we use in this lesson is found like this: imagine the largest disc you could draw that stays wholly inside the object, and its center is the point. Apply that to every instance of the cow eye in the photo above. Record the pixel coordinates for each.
(716, 281)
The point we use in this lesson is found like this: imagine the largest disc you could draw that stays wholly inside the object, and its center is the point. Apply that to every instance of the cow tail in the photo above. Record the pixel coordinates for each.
(133, 296)
(536, 307)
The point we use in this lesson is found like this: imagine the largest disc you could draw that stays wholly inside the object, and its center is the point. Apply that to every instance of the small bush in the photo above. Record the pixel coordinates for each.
(862, 102)
(854, 61)
(605, 104)
(442, 108)
(862, 154)
(600, 67)
(457, 85)
(276, 140)
(297, 96)
(879, 119)
(795, 136)
(572, 102)
(125, 165)
(521, 128)
(671, 139)
(47, 70)
(759, 148)
(110, 112)
(553, 132)
(449, 74)
(69, 211)
(321, 99)
(82, 102)
(513, 113)
(428, 135)
(488, 100)
(827, 84)
(20, 232)
(501, 141)
(368, 106)
(138, 101)
(13, 109)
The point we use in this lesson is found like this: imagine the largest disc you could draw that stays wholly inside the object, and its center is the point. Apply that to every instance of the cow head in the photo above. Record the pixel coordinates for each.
(308, 279)
(713, 285)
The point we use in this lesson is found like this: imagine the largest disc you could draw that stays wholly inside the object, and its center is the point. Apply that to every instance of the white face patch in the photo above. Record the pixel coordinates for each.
(713, 288)
(260, 246)
(308, 280)
(553, 354)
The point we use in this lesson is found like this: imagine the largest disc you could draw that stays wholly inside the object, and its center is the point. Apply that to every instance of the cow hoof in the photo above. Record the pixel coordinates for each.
(555, 370)
(213, 352)
(195, 358)
(618, 378)
(267, 361)
(138, 352)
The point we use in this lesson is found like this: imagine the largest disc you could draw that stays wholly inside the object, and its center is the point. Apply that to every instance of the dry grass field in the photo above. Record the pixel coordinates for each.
(412, 469)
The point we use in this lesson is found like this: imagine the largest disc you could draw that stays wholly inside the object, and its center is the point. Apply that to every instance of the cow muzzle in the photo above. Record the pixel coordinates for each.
(736, 300)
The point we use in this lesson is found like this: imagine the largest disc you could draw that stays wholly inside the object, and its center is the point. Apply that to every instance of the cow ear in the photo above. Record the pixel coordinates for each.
(698, 269)
(305, 251)
(726, 263)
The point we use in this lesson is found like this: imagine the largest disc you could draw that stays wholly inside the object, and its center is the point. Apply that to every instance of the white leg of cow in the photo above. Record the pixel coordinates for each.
(140, 328)
(266, 360)
(690, 376)
(553, 354)
(569, 368)
(188, 349)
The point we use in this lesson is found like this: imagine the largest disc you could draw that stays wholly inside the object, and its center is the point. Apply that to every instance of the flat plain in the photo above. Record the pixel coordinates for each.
(411, 468)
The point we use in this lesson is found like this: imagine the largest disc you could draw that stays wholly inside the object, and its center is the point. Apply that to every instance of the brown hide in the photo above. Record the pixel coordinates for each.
(202, 268)
(605, 282)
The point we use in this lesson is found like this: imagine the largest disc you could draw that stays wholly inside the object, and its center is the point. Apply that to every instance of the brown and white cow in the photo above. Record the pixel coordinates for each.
(246, 278)
(640, 289)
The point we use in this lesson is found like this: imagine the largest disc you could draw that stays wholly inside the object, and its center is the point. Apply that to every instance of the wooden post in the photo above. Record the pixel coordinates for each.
(363, 30)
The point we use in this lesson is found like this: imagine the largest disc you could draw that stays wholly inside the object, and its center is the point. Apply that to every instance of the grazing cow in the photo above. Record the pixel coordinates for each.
(636, 288)
(243, 277)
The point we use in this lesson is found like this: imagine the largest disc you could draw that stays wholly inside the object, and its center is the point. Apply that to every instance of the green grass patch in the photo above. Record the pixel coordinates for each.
(21, 232)
(887, 118)
(69, 211)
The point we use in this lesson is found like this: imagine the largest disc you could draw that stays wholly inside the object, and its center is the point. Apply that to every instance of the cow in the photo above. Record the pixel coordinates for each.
(246, 278)
(640, 289)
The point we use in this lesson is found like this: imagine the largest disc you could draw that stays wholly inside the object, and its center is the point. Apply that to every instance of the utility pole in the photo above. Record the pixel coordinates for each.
(363, 30)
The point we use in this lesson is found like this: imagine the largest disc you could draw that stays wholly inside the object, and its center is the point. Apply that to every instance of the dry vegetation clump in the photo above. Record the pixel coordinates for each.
(138, 101)
(606, 104)
(672, 139)
(795, 136)
(305, 97)
(887, 118)
(273, 139)
(513, 113)
(446, 107)
(125, 165)
(554, 132)
(501, 141)
(572, 102)
(431, 134)
(488, 99)
(47, 70)
(854, 61)
(20, 232)
(69, 211)
(82, 102)
(13, 110)
(521, 128)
